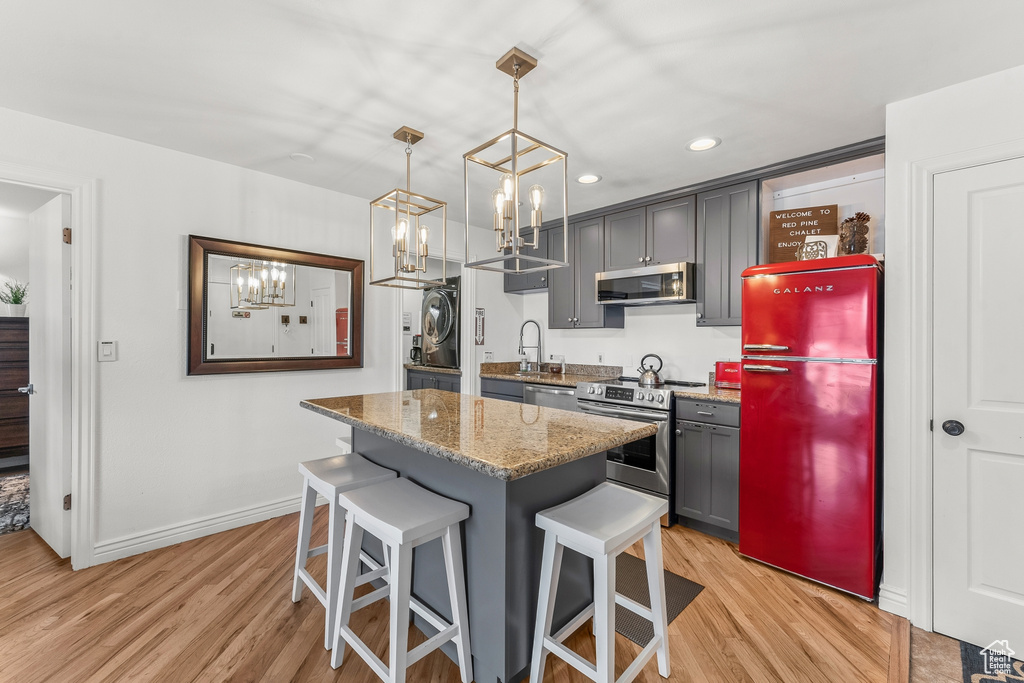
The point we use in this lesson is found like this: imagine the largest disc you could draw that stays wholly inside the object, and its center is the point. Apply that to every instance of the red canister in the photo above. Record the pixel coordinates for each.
(727, 375)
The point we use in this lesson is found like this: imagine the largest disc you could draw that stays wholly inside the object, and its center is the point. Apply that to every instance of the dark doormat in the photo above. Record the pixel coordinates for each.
(992, 663)
(13, 503)
(631, 581)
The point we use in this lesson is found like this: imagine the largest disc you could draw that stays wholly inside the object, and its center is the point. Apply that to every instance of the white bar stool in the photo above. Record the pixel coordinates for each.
(600, 524)
(403, 515)
(329, 477)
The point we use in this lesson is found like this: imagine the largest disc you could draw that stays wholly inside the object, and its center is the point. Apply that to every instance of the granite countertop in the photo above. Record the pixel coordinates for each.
(710, 393)
(501, 439)
(574, 374)
(431, 368)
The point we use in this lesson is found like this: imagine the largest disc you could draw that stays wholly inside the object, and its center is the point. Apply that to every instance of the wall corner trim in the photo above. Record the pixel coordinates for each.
(893, 600)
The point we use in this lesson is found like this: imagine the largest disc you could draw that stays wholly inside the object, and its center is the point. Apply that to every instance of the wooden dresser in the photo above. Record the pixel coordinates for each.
(13, 405)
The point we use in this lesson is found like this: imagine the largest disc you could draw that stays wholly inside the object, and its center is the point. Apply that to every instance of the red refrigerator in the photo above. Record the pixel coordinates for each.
(810, 456)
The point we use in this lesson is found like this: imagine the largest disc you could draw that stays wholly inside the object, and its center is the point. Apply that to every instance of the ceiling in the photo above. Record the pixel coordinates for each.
(18, 201)
(621, 86)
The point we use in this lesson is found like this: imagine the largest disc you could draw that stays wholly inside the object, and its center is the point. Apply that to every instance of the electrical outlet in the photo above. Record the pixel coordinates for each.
(600, 357)
(488, 356)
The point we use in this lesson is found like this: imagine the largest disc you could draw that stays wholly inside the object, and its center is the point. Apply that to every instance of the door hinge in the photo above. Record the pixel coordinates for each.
(67, 502)
(67, 235)
(931, 425)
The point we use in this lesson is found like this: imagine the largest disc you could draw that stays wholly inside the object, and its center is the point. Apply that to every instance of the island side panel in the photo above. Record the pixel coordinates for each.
(483, 547)
(526, 497)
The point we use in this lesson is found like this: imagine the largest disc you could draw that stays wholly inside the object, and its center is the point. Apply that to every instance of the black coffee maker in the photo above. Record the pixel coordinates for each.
(416, 354)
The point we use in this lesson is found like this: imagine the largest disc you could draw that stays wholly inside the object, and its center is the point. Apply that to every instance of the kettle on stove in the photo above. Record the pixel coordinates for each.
(649, 377)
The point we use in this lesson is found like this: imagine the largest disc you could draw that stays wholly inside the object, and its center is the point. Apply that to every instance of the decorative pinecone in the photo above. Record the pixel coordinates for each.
(853, 234)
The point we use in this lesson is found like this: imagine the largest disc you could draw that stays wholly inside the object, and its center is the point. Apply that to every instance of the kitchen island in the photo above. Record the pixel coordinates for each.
(507, 461)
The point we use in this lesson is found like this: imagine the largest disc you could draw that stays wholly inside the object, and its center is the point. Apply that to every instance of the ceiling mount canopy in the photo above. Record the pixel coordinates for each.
(510, 162)
(411, 218)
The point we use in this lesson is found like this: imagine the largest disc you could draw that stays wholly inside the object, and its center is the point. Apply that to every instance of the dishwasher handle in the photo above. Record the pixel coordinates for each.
(550, 391)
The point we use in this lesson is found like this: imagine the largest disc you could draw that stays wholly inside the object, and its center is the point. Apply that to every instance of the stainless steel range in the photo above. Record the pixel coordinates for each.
(644, 464)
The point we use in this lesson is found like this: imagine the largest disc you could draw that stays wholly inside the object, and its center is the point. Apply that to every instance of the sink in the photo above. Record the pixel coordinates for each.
(528, 374)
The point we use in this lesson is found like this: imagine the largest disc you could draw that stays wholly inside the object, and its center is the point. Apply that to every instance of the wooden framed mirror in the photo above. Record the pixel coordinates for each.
(253, 308)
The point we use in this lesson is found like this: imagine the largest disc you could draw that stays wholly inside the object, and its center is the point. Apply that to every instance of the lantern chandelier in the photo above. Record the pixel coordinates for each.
(258, 285)
(408, 215)
(518, 160)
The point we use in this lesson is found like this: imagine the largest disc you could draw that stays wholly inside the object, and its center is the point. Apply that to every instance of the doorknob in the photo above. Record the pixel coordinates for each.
(953, 427)
(27, 390)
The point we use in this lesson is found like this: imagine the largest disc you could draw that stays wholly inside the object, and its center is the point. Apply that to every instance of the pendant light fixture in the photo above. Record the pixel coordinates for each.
(258, 285)
(410, 218)
(516, 165)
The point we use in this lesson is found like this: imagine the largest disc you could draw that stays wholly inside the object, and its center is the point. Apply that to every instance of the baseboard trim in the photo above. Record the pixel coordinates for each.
(127, 546)
(893, 600)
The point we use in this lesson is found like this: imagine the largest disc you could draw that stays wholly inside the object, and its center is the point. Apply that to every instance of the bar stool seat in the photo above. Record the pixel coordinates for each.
(329, 477)
(403, 516)
(601, 524)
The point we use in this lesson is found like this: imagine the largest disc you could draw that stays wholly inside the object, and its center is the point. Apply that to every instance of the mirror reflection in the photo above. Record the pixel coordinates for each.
(258, 309)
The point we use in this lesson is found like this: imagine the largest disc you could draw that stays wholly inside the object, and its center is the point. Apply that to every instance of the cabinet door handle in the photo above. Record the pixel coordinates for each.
(543, 279)
(648, 258)
(705, 412)
(679, 432)
(641, 259)
(570, 319)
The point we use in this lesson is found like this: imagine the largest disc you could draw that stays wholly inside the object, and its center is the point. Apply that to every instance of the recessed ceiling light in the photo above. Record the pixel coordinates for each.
(301, 158)
(588, 179)
(703, 144)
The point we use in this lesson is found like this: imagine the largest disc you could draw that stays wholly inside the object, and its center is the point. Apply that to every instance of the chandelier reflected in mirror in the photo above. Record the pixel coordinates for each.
(409, 219)
(518, 166)
(258, 285)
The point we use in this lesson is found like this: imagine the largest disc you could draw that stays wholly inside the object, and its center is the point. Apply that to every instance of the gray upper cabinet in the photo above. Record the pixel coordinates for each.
(626, 243)
(572, 294)
(727, 223)
(671, 230)
(528, 282)
(651, 235)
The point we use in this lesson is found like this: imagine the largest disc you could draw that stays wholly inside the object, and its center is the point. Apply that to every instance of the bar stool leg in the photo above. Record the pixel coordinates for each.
(350, 564)
(550, 569)
(452, 541)
(305, 530)
(335, 535)
(656, 584)
(401, 588)
(604, 617)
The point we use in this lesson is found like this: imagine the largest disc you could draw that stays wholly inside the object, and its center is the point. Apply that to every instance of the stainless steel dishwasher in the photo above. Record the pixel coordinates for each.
(563, 398)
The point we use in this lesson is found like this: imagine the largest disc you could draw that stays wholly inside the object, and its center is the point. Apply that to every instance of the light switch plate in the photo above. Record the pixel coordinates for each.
(106, 351)
(488, 356)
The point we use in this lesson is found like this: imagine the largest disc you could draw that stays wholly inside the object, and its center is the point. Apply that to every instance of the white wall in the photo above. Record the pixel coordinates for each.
(177, 455)
(689, 352)
(13, 249)
(982, 115)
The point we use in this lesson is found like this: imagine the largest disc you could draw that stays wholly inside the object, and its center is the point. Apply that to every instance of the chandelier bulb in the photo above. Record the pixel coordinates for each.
(505, 183)
(536, 197)
(498, 198)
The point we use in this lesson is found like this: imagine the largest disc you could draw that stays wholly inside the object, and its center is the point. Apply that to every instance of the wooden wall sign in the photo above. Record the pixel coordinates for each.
(788, 229)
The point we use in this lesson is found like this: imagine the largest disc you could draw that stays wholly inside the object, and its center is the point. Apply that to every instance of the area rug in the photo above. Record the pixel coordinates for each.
(13, 503)
(992, 663)
(631, 581)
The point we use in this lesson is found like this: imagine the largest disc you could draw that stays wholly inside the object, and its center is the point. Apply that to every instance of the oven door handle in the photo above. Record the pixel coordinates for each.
(635, 415)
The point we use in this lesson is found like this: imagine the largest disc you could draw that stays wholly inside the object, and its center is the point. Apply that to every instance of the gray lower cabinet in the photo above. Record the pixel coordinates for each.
(503, 389)
(424, 379)
(572, 294)
(529, 282)
(651, 235)
(707, 474)
(727, 227)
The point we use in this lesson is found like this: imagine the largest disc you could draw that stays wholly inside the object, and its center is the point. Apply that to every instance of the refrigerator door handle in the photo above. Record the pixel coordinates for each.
(764, 347)
(764, 368)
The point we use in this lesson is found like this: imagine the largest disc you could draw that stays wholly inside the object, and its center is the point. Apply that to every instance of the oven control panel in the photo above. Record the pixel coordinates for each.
(629, 394)
(619, 394)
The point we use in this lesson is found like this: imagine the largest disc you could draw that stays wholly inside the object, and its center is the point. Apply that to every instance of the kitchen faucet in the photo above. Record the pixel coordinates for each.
(522, 349)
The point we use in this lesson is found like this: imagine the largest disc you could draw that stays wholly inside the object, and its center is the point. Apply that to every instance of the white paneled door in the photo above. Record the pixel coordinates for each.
(50, 373)
(978, 352)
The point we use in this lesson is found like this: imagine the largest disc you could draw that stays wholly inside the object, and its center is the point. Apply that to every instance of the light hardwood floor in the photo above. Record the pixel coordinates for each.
(219, 608)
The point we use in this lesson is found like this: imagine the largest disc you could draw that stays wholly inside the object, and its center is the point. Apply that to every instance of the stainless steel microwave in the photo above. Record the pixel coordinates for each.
(669, 283)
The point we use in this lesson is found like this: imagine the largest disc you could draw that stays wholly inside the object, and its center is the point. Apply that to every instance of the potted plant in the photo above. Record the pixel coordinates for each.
(15, 295)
